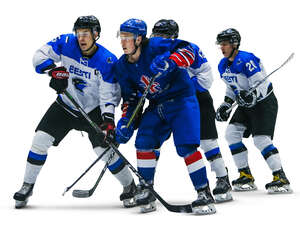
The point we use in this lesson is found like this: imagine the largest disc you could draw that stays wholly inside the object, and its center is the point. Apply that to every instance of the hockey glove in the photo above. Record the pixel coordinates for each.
(108, 126)
(162, 64)
(221, 114)
(59, 79)
(123, 134)
(246, 99)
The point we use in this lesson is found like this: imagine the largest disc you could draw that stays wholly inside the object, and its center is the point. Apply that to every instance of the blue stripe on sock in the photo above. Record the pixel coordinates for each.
(147, 173)
(36, 156)
(212, 152)
(115, 165)
(199, 178)
(236, 146)
(268, 149)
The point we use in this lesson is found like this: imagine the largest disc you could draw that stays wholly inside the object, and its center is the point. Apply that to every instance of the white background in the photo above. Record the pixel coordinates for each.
(270, 29)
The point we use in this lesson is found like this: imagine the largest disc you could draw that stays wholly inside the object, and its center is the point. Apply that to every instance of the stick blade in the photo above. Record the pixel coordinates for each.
(81, 193)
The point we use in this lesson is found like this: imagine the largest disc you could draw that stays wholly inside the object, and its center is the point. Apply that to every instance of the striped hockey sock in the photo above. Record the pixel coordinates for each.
(146, 164)
(197, 170)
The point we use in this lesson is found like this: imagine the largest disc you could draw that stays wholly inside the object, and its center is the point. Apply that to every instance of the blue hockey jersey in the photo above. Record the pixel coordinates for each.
(134, 77)
(91, 80)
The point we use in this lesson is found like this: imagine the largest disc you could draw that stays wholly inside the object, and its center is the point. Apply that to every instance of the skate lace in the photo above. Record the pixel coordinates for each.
(243, 174)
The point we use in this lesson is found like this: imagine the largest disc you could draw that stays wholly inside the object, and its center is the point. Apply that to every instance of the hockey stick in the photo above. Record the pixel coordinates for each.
(88, 193)
(173, 208)
(99, 157)
(263, 80)
(137, 108)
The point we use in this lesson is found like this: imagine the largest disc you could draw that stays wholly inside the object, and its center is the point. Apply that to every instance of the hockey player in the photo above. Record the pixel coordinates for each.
(202, 77)
(256, 113)
(86, 73)
(172, 105)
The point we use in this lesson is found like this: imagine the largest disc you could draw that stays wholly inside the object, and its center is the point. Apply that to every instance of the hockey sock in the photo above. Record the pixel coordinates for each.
(268, 151)
(34, 165)
(146, 164)
(117, 166)
(271, 155)
(214, 156)
(240, 154)
(196, 169)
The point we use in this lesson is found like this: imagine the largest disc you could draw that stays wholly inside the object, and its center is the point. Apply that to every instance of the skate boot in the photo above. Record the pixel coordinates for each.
(222, 190)
(145, 199)
(128, 194)
(280, 183)
(23, 195)
(245, 182)
(205, 202)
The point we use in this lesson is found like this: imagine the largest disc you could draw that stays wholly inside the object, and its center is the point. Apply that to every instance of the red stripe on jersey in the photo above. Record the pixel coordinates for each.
(145, 155)
(193, 158)
(124, 108)
(178, 59)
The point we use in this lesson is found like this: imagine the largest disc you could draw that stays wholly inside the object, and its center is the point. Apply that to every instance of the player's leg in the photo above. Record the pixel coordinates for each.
(266, 111)
(234, 135)
(149, 139)
(186, 133)
(117, 166)
(51, 130)
(209, 144)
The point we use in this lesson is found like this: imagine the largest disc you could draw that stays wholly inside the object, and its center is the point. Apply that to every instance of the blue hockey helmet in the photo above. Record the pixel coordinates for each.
(135, 26)
(231, 35)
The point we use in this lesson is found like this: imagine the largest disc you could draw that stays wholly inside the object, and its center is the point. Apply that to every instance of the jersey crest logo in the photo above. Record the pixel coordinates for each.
(155, 87)
(109, 60)
(79, 84)
(84, 61)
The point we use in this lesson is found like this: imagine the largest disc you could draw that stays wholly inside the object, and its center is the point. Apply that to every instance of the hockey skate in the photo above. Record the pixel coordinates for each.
(127, 196)
(280, 183)
(145, 199)
(204, 204)
(222, 190)
(245, 182)
(23, 195)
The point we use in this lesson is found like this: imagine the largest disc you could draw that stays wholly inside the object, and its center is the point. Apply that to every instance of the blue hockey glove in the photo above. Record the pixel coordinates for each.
(123, 134)
(246, 99)
(162, 64)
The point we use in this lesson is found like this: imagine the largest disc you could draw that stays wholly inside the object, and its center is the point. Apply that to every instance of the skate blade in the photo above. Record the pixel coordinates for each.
(285, 189)
(226, 197)
(148, 208)
(129, 203)
(204, 210)
(245, 187)
(21, 204)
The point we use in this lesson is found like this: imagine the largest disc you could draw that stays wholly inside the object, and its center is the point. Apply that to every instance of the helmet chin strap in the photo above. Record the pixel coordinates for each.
(134, 51)
(231, 54)
(94, 41)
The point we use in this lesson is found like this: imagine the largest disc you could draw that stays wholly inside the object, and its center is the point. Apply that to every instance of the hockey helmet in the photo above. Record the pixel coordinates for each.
(166, 27)
(231, 35)
(90, 22)
(135, 26)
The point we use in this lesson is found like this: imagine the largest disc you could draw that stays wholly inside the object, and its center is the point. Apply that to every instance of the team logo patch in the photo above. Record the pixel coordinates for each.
(109, 60)
(155, 87)
(79, 84)
(84, 61)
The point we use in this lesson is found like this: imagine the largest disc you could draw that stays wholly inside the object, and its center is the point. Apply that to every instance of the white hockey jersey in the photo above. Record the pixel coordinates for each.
(91, 80)
(244, 73)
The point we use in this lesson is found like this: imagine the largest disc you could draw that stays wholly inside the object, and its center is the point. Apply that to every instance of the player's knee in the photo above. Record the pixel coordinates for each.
(262, 141)
(41, 142)
(99, 151)
(209, 144)
(185, 150)
(232, 135)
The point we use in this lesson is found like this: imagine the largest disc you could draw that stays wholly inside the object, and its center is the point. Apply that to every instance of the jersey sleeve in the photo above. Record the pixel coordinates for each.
(109, 90)
(200, 71)
(49, 54)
